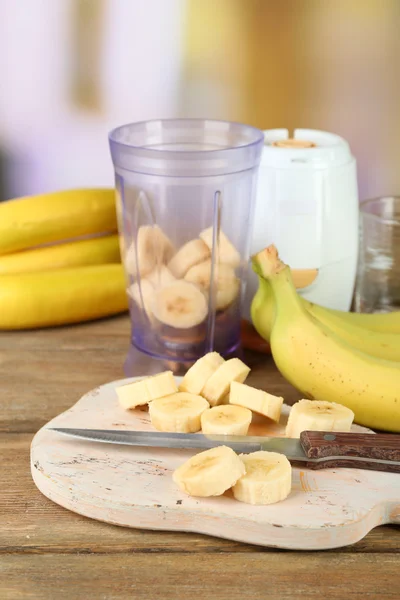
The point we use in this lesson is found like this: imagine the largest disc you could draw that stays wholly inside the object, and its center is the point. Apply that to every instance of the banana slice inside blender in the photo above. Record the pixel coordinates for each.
(180, 305)
(227, 284)
(226, 252)
(191, 253)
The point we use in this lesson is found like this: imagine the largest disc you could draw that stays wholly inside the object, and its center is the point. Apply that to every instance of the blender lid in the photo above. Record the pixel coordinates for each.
(307, 148)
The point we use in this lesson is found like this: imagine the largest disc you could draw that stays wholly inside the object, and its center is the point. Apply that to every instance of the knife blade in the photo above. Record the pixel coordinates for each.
(315, 450)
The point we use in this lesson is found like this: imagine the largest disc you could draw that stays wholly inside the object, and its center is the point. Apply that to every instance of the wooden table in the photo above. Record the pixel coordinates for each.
(50, 553)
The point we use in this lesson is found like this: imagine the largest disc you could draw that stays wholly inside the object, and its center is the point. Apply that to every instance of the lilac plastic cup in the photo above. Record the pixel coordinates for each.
(184, 176)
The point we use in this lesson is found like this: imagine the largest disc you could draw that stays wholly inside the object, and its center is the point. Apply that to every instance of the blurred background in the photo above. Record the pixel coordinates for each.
(71, 70)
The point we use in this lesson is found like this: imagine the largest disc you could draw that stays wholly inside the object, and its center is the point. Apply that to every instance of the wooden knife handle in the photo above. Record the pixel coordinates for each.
(382, 446)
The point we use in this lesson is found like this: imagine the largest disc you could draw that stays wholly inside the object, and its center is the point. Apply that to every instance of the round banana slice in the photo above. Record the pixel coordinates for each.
(199, 373)
(181, 305)
(220, 381)
(210, 473)
(256, 400)
(188, 255)
(226, 420)
(268, 478)
(179, 413)
(143, 296)
(227, 252)
(313, 415)
(226, 282)
(146, 390)
(153, 247)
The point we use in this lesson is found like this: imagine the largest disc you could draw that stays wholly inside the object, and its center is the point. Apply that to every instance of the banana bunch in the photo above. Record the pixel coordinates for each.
(330, 356)
(59, 259)
(172, 285)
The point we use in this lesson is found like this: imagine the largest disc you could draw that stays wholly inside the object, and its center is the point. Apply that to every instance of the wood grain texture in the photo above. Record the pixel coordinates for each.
(383, 446)
(49, 370)
(30, 523)
(49, 552)
(132, 485)
(233, 576)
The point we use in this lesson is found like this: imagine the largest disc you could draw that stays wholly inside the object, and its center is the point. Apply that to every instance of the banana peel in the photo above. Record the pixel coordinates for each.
(101, 250)
(61, 296)
(60, 216)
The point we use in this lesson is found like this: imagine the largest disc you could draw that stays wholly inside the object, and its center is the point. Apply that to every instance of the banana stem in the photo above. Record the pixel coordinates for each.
(271, 268)
(267, 262)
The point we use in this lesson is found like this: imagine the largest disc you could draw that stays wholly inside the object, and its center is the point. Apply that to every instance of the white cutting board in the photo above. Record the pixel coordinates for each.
(133, 487)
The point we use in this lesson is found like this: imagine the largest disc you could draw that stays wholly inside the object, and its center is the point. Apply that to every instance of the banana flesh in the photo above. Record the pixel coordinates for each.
(197, 376)
(218, 385)
(180, 305)
(268, 478)
(190, 254)
(209, 473)
(323, 366)
(311, 415)
(144, 391)
(226, 251)
(256, 400)
(226, 420)
(179, 413)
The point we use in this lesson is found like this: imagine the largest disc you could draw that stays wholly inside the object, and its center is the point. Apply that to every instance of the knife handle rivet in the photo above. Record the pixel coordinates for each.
(329, 437)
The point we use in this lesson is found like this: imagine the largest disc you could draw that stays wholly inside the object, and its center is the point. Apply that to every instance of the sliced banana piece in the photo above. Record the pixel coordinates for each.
(143, 295)
(153, 247)
(227, 284)
(199, 373)
(167, 248)
(146, 390)
(210, 473)
(160, 277)
(180, 304)
(268, 478)
(191, 253)
(256, 400)
(220, 381)
(227, 252)
(226, 420)
(313, 415)
(179, 413)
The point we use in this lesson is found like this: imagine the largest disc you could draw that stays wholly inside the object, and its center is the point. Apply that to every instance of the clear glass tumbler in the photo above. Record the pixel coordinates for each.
(185, 197)
(378, 277)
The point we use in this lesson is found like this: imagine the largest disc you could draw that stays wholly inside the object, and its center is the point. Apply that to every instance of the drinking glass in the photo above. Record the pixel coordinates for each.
(378, 277)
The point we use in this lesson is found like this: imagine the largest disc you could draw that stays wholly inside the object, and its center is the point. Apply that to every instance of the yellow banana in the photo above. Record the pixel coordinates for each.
(59, 216)
(380, 344)
(62, 296)
(101, 250)
(320, 364)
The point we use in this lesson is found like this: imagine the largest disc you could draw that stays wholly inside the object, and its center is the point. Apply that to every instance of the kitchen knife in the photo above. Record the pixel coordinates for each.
(314, 449)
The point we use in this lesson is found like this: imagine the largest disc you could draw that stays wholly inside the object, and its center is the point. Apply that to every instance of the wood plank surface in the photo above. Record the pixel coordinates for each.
(48, 552)
(42, 373)
(179, 577)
